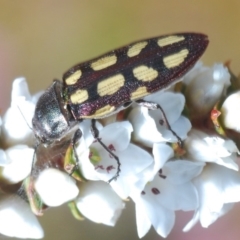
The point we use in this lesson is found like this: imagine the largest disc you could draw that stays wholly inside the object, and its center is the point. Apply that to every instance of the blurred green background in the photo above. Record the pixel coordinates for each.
(42, 39)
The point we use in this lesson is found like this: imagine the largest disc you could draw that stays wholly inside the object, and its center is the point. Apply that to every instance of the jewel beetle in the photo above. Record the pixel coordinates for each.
(102, 86)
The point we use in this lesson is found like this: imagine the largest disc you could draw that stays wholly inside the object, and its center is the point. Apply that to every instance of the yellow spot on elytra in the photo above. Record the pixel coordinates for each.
(104, 62)
(102, 112)
(110, 85)
(135, 49)
(175, 59)
(169, 40)
(73, 78)
(79, 96)
(144, 73)
(139, 92)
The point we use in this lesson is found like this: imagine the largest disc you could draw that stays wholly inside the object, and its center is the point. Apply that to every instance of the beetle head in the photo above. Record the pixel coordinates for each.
(51, 118)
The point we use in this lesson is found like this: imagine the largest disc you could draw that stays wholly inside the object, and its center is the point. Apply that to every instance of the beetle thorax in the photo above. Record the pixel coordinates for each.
(51, 118)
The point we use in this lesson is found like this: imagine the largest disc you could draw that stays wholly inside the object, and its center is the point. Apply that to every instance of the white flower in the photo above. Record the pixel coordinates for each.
(218, 188)
(219, 183)
(16, 163)
(133, 159)
(202, 147)
(55, 187)
(230, 113)
(17, 121)
(17, 219)
(204, 88)
(194, 72)
(149, 126)
(170, 190)
(99, 203)
(204, 180)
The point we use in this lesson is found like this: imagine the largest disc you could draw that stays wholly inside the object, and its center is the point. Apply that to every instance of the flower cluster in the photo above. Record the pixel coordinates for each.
(158, 173)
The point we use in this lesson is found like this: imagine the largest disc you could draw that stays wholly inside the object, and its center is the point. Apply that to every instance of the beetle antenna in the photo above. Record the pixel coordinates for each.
(24, 117)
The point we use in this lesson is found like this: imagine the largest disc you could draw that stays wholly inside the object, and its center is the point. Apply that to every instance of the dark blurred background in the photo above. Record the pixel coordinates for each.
(42, 39)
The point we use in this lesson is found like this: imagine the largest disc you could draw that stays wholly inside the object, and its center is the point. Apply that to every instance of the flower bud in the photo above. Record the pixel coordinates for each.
(204, 90)
(230, 112)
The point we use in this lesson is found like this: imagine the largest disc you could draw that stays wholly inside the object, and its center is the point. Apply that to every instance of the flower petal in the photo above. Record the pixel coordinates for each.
(205, 90)
(171, 103)
(20, 159)
(99, 203)
(17, 219)
(229, 115)
(134, 160)
(142, 220)
(20, 89)
(162, 153)
(22, 108)
(145, 129)
(207, 217)
(55, 187)
(192, 222)
(120, 131)
(171, 196)
(18, 132)
(202, 147)
(161, 218)
(182, 171)
(181, 127)
(134, 164)
(85, 128)
(217, 186)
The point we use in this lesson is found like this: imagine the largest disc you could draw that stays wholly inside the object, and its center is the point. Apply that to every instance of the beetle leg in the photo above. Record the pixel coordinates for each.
(76, 137)
(155, 106)
(95, 134)
(34, 158)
